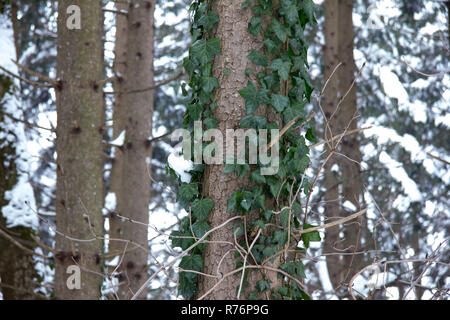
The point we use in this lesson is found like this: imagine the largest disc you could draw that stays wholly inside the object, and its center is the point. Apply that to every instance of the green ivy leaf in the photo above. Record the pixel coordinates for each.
(258, 58)
(200, 228)
(271, 46)
(282, 67)
(201, 208)
(257, 177)
(181, 240)
(256, 122)
(308, 8)
(209, 20)
(310, 135)
(188, 191)
(313, 236)
(209, 83)
(241, 170)
(279, 30)
(210, 122)
(250, 94)
(280, 237)
(289, 9)
(263, 285)
(254, 26)
(284, 217)
(233, 201)
(192, 262)
(205, 50)
(226, 71)
(279, 102)
(187, 287)
(294, 268)
(261, 224)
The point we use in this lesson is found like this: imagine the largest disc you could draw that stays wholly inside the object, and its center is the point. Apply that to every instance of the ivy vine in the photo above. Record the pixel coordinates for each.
(282, 85)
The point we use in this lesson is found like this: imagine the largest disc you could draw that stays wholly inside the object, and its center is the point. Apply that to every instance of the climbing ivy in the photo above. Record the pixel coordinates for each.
(283, 84)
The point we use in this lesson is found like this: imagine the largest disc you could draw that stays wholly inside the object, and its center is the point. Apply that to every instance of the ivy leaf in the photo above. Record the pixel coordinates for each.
(188, 66)
(205, 50)
(257, 177)
(308, 8)
(310, 135)
(289, 9)
(210, 123)
(192, 262)
(229, 168)
(271, 46)
(254, 26)
(187, 191)
(233, 201)
(181, 240)
(200, 228)
(258, 58)
(280, 237)
(293, 111)
(241, 170)
(187, 287)
(261, 224)
(226, 71)
(263, 285)
(313, 236)
(294, 268)
(209, 83)
(246, 204)
(274, 184)
(306, 186)
(282, 67)
(250, 94)
(279, 102)
(201, 208)
(284, 217)
(279, 30)
(251, 121)
(208, 21)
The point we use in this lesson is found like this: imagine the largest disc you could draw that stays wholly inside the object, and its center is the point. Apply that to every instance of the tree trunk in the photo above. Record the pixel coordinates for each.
(331, 128)
(350, 145)
(119, 115)
(134, 201)
(236, 43)
(339, 40)
(79, 186)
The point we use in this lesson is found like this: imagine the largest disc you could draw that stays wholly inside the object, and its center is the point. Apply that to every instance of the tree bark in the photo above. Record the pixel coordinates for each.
(331, 128)
(79, 186)
(133, 201)
(236, 44)
(339, 39)
(119, 115)
(350, 145)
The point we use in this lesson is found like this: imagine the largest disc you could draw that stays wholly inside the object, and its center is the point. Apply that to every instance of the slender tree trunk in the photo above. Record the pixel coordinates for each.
(79, 186)
(350, 145)
(133, 201)
(340, 108)
(331, 128)
(119, 116)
